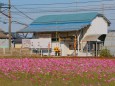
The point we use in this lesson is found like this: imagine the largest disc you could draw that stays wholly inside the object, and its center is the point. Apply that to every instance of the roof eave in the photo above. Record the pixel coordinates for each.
(101, 15)
(52, 31)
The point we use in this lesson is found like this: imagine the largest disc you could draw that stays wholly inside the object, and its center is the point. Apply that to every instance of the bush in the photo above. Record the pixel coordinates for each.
(105, 53)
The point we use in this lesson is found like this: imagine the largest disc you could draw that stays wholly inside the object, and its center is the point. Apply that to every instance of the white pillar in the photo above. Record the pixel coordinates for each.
(96, 48)
(48, 52)
(78, 44)
(81, 46)
(41, 52)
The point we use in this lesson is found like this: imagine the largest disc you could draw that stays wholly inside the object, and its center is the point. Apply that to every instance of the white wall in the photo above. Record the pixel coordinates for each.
(53, 45)
(98, 26)
(4, 43)
(63, 46)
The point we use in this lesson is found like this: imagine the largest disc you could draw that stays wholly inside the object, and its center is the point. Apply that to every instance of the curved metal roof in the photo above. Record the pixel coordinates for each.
(64, 22)
(63, 18)
(55, 27)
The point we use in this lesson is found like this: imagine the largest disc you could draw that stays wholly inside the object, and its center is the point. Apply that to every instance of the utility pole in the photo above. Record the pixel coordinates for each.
(9, 19)
(1, 4)
(9, 27)
(0, 7)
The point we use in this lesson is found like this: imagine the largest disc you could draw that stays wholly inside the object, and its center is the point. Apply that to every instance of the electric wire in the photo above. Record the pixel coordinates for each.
(54, 8)
(23, 13)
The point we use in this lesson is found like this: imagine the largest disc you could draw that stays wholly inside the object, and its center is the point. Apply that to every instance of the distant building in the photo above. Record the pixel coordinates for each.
(17, 39)
(3, 35)
(3, 39)
(110, 42)
(82, 34)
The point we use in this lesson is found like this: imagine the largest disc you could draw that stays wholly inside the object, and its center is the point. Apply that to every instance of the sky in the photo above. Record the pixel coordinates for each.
(25, 11)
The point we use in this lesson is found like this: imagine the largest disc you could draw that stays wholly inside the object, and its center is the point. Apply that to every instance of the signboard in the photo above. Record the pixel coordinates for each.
(35, 43)
(4, 43)
(26, 43)
(44, 41)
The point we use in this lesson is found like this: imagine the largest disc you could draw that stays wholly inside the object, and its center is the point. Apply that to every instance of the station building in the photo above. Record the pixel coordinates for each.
(80, 34)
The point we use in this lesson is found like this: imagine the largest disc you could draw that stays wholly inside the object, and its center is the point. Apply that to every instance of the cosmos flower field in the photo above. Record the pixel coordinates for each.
(57, 72)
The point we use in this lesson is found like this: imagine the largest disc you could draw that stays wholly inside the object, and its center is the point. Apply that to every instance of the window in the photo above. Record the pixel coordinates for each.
(71, 46)
(55, 39)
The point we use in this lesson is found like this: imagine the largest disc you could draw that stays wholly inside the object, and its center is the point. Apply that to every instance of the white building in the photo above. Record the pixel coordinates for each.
(110, 42)
(82, 34)
(4, 43)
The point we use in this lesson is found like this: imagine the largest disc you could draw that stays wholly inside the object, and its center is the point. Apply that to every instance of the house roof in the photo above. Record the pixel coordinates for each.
(93, 37)
(2, 35)
(1, 30)
(64, 22)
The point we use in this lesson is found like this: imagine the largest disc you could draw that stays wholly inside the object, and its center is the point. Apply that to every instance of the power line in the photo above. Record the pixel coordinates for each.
(12, 21)
(65, 7)
(69, 10)
(20, 23)
(79, 8)
(12, 17)
(17, 22)
(17, 14)
(23, 13)
(111, 19)
(88, 8)
(6, 15)
(60, 7)
(64, 3)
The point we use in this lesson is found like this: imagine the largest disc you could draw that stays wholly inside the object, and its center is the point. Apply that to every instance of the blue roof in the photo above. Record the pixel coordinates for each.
(64, 22)
(55, 27)
(79, 17)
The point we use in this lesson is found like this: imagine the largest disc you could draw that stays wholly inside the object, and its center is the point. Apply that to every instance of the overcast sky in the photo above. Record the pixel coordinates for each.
(25, 11)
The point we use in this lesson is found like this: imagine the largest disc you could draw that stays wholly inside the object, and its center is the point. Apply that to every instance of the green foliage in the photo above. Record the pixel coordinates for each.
(28, 79)
(105, 53)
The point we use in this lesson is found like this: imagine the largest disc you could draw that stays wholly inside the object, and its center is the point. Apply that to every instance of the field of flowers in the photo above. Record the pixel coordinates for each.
(57, 72)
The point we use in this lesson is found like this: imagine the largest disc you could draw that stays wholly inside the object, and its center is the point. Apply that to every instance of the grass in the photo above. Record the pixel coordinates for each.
(27, 79)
